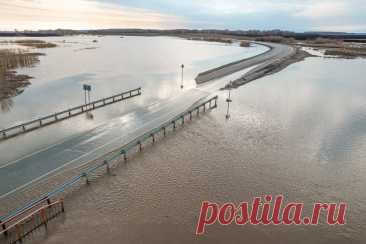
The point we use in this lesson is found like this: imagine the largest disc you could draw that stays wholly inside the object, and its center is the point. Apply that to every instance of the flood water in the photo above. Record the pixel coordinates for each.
(111, 65)
(299, 133)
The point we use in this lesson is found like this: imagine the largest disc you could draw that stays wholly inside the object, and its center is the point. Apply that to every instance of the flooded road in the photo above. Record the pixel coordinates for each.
(300, 133)
(111, 65)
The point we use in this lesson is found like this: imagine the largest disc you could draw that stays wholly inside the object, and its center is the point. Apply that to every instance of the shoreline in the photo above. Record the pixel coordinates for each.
(277, 58)
(270, 68)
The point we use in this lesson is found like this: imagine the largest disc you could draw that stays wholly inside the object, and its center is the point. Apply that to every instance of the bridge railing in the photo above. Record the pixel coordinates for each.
(57, 117)
(106, 160)
(18, 227)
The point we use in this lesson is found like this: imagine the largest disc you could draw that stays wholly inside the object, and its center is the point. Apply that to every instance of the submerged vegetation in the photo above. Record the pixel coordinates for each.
(11, 83)
(32, 43)
(245, 44)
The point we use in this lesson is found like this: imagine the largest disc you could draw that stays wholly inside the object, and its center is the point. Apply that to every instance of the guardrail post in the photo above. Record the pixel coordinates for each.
(198, 111)
(124, 155)
(4, 228)
(153, 137)
(140, 145)
(48, 201)
(164, 131)
(56, 117)
(204, 107)
(174, 126)
(190, 115)
(4, 134)
(40, 122)
(62, 205)
(182, 119)
(85, 175)
(107, 166)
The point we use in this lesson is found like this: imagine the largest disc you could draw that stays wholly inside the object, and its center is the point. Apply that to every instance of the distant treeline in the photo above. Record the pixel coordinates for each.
(152, 32)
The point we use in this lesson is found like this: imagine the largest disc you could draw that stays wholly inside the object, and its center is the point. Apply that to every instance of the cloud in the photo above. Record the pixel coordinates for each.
(326, 9)
(297, 15)
(79, 14)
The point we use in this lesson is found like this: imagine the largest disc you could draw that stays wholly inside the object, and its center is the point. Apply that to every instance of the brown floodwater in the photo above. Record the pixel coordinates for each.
(300, 133)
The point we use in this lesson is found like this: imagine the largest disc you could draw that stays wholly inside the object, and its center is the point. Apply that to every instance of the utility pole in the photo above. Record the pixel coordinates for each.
(181, 86)
(228, 100)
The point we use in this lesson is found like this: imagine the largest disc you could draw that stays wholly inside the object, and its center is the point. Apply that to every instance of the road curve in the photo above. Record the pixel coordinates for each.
(275, 52)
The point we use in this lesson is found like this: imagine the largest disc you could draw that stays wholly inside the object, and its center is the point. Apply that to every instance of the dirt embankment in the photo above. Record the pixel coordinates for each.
(270, 67)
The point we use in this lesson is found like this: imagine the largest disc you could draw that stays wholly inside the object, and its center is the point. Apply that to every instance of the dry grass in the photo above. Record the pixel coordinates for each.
(346, 52)
(212, 39)
(11, 82)
(275, 39)
(36, 43)
(245, 44)
(32, 43)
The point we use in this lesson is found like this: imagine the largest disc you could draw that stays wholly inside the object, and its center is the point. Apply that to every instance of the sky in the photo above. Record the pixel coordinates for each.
(294, 15)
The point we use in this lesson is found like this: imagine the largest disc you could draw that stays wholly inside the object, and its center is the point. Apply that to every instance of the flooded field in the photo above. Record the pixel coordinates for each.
(300, 133)
(111, 65)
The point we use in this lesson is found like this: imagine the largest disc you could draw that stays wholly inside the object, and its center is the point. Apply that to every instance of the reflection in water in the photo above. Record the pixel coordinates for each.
(282, 125)
(229, 100)
(11, 83)
(117, 65)
(6, 104)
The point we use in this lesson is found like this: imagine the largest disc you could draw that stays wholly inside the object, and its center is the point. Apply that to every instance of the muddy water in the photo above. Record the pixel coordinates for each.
(300, 133)
(111, 65)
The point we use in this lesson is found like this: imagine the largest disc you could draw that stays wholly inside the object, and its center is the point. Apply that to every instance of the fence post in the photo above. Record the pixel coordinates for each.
(62, 205)
(18, 233)
(4, 228)
(43, 217)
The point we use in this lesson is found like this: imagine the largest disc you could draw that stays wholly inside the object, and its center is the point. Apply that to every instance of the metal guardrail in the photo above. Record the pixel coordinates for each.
(16, 229)
(107, 159)
(57, 117)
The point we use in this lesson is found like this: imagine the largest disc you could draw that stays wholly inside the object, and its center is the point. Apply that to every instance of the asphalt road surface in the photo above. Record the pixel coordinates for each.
(29, 169)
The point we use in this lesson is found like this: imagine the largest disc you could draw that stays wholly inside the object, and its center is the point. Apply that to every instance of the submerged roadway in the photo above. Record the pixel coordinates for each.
(22, 173)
